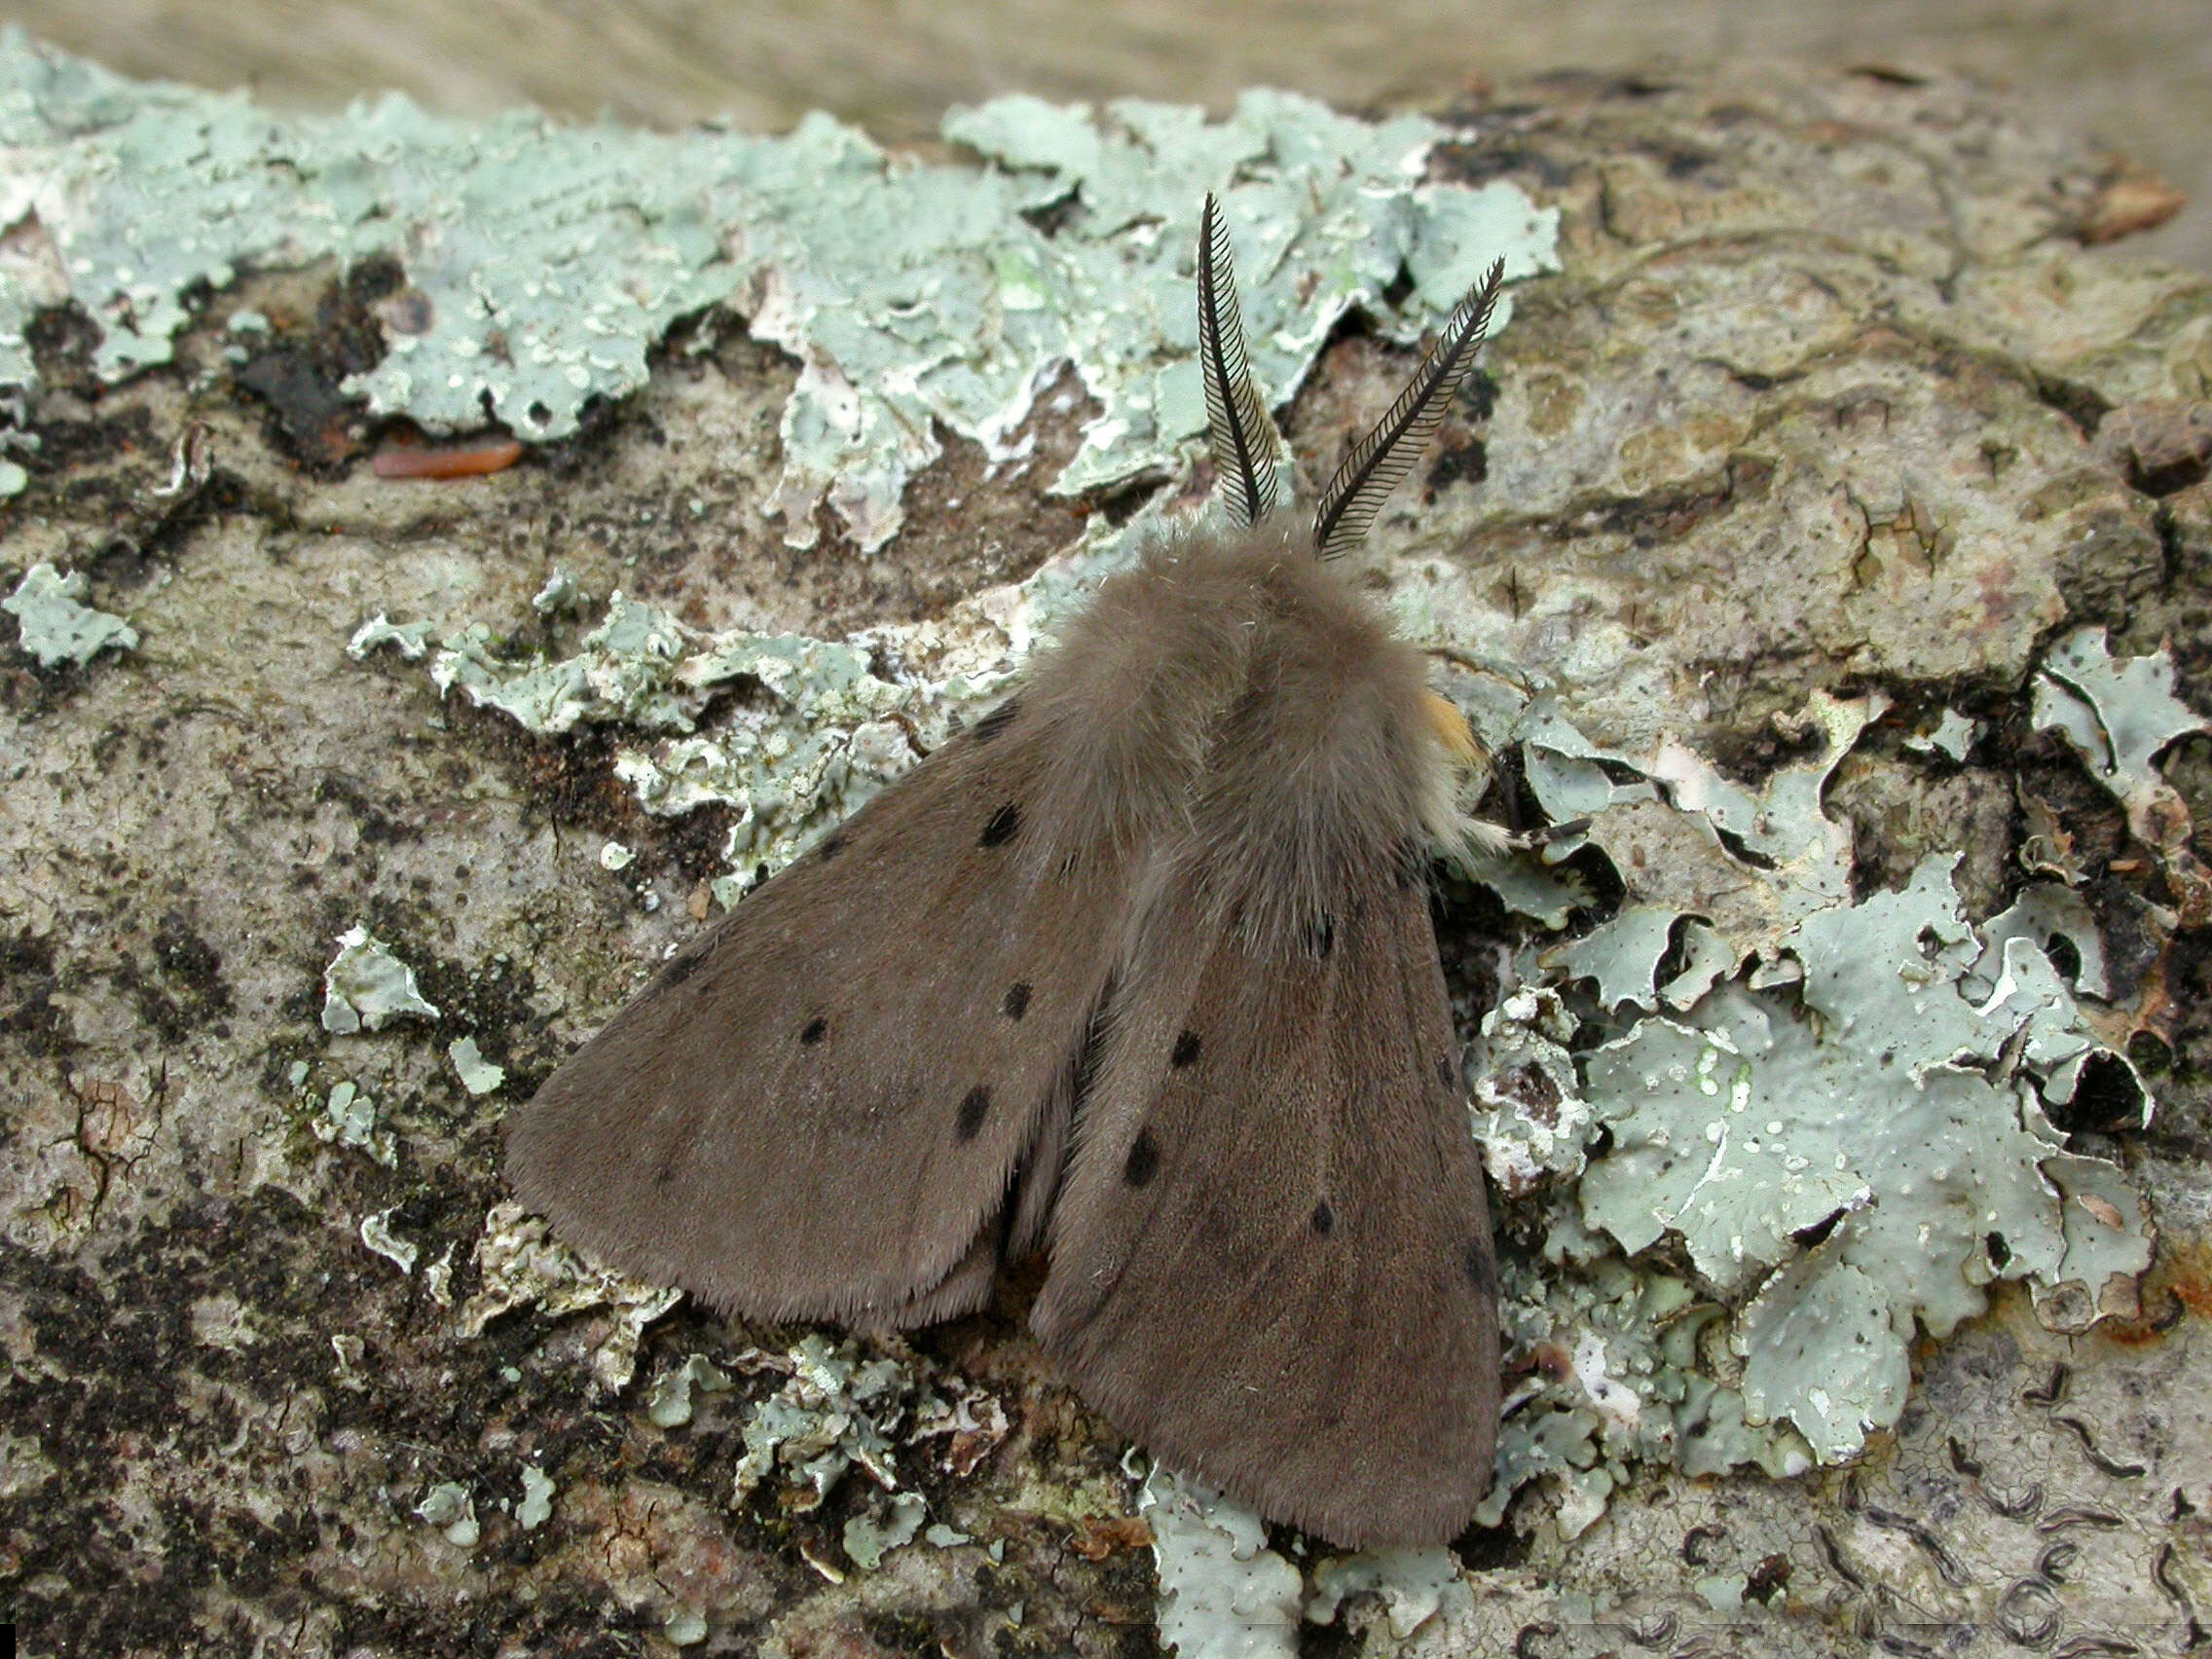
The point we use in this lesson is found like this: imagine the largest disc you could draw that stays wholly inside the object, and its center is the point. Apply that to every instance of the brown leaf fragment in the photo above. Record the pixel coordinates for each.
(2048, 847)
(454, 461)
(2137, 200)
(1102, 1536)
(2103, 1209)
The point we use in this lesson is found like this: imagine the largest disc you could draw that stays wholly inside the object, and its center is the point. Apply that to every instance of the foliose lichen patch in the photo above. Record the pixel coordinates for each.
(542, 261)
(54, 623)
(1838, 1119)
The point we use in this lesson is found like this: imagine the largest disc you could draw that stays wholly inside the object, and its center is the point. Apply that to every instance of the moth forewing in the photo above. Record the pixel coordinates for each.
(817, 1108)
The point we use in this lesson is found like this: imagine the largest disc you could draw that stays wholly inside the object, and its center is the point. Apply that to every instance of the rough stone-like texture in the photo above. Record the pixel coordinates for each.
(1829, 396)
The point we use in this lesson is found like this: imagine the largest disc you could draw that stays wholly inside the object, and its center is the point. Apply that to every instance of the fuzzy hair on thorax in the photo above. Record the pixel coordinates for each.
(1234, 694)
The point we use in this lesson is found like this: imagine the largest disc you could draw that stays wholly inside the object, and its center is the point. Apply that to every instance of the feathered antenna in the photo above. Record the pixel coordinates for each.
(1243, 438)
(1356, 493)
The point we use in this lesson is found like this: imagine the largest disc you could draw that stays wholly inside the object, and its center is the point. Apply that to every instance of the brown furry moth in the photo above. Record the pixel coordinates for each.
(1138, 968)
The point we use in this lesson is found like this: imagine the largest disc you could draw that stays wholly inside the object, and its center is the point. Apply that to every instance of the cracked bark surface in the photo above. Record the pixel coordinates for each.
(1830, 394)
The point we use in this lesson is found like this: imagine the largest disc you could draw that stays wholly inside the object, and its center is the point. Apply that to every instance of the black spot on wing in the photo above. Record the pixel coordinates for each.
(974, 1109)
(1446, 1073)
(1016, 1001)
(682, 968)
(998, 719)
(1143, 1161)
(1324, 1218)
(1005, 824)
(1185, 1051)
(831, 845)
(817, 1028)
(1481, 1271)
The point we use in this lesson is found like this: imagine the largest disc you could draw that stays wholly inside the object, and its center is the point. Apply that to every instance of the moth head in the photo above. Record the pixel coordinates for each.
(1245, 445)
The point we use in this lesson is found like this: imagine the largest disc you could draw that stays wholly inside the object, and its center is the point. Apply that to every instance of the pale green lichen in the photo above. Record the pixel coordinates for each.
(668, 1403)
(438, 1278)
(56, 626)
(1881, 1093)
(543, 261)
(450, 1507)
(1325, 211)
(348, 1117)
(1823, 1348)
(868, 1539)
(411, 640)
(834, 1412)
(626, 671)
(2045, 911)
(2119, 714)
(1413, 1584)
(1223, 1593)
(1622, 956)
(366, 987)
(477, 1074)
(1746, 1129)
(821, 739)
(1618, 1381)
(349, 1351)
(520, 1263)
(686, 1627)
(1528, 1111)
(536, 1505)
(1954, 735)
(561, 592)
(378, 1235)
